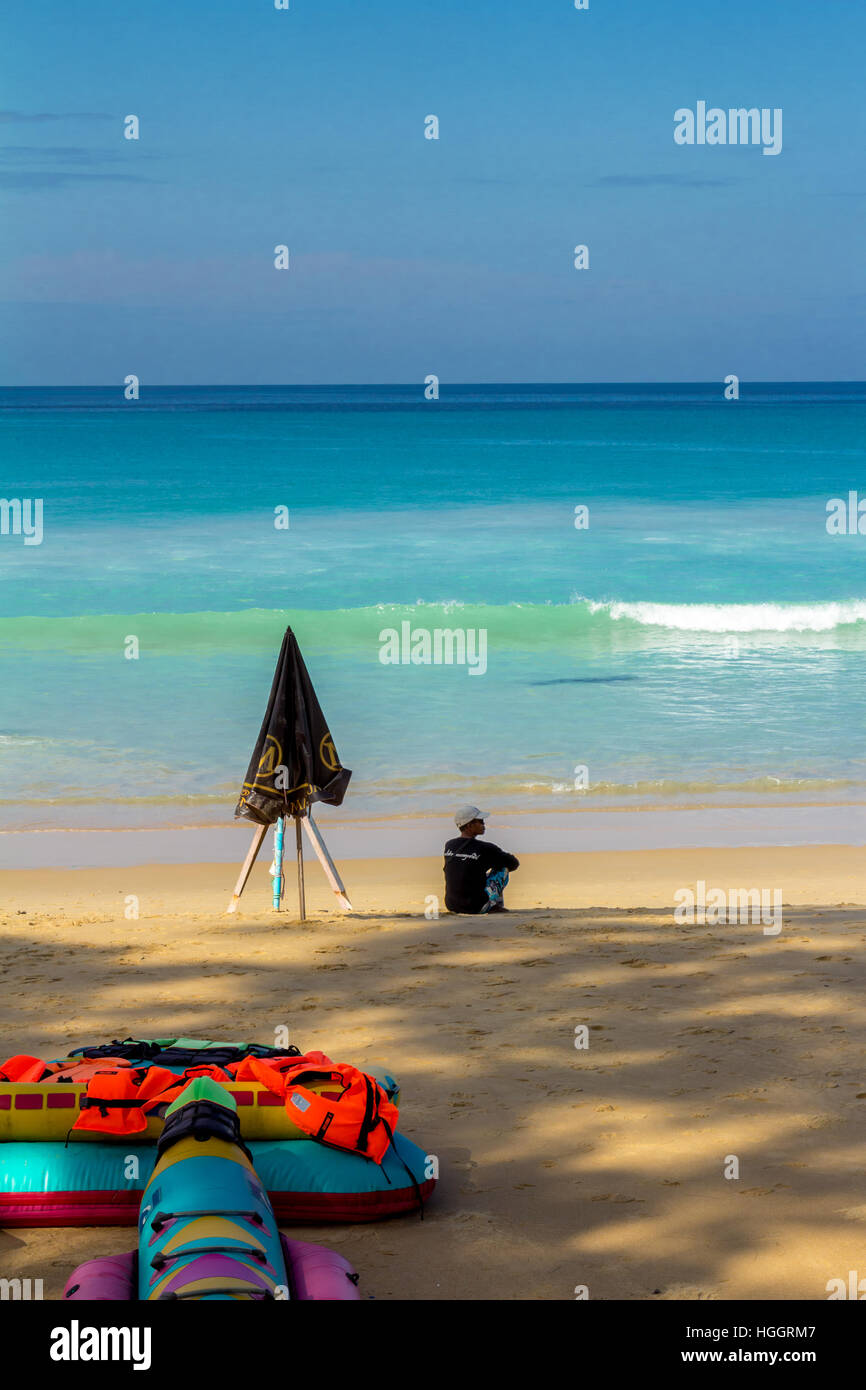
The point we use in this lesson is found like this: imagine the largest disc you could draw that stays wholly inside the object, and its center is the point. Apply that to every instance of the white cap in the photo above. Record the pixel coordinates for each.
(464, 814)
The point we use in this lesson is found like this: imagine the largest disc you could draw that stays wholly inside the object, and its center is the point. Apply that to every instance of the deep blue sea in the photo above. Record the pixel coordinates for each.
(700, 641)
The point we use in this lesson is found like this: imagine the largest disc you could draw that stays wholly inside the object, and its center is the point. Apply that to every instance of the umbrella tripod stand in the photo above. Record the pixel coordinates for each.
(315, 837)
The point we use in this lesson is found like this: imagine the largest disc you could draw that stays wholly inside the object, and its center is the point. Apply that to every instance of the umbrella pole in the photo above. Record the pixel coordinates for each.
(300, 851)
(278, 862)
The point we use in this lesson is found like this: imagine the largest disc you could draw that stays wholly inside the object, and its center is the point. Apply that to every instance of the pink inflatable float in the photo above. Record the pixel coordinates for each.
(315, 1273)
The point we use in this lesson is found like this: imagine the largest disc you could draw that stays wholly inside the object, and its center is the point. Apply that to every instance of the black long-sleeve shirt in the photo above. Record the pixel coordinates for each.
(467, 864)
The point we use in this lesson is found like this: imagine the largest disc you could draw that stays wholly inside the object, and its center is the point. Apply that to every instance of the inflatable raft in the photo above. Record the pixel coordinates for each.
(206, 1227)
(101, 1184)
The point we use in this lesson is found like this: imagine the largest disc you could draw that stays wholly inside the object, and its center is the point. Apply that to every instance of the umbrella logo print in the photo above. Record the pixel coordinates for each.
(328, 753)
(270, 760)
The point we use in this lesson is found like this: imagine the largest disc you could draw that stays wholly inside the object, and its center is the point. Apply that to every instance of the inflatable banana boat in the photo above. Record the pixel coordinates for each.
(329, 1149)
(207, 1230)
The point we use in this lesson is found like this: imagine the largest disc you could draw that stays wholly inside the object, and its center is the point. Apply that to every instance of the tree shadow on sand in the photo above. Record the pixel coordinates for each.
(601, 1165)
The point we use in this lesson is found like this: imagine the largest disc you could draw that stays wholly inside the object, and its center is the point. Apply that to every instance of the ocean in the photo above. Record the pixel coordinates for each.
(695, 638)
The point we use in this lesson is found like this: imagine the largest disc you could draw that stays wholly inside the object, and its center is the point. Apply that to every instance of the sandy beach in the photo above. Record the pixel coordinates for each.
(560, 1166)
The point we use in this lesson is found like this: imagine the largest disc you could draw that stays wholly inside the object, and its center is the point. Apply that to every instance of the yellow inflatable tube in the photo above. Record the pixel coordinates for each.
(35, 1111)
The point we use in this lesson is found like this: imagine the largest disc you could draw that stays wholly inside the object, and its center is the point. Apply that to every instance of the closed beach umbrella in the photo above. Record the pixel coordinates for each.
(294, 764)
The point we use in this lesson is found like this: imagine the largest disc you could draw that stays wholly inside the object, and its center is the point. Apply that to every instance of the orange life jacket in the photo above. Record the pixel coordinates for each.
(31, 1069)
(80, 1070)
(116, 1101)
(357, 1115)
(22, 1068)
(362, 1119)
(142, 1088)
(270, 1071)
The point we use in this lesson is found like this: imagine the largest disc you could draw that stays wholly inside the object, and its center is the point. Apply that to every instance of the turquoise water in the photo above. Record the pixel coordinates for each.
(701, 642)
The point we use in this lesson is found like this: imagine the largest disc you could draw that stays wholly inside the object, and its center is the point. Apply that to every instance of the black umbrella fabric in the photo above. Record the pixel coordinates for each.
(294, 762)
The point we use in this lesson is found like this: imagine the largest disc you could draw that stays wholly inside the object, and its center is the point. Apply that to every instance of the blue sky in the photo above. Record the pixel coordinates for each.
(412, 256)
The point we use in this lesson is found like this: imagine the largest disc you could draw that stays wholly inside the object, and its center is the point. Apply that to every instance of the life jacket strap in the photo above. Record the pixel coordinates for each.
(104, 1104)
(412, 1177)
(371, 1113)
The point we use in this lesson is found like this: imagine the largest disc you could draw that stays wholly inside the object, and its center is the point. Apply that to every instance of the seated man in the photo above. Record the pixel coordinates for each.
(475, 874)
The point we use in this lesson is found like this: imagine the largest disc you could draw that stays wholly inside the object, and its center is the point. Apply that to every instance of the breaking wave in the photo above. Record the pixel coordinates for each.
(739, 617)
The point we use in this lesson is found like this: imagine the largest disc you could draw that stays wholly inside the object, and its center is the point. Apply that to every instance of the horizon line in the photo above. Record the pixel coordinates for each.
(416, 384)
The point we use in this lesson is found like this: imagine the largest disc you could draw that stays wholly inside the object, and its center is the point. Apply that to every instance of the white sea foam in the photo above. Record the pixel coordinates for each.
(739, 617)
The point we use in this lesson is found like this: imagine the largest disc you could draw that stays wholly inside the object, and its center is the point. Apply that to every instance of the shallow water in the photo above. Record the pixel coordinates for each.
(702, 640)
